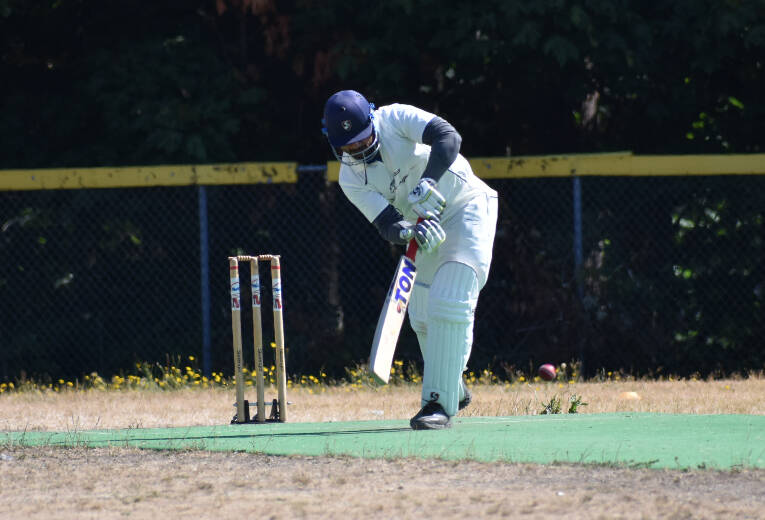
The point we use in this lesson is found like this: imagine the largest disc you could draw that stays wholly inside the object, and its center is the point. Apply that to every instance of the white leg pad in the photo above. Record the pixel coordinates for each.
(418, 314)
(451, 308)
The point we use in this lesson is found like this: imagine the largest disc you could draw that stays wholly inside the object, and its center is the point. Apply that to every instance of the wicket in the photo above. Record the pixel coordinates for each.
(279, 406)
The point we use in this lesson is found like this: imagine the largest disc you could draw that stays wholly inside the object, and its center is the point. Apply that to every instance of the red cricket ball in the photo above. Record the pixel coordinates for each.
(547, 372)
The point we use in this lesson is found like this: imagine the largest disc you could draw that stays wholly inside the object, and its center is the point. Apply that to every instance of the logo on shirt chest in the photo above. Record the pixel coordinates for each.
(395, 183)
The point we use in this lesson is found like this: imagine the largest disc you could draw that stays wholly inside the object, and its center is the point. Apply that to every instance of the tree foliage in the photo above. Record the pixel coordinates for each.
(93, 83)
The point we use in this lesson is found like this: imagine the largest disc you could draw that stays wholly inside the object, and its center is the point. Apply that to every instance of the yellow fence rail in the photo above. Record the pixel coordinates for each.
(611, 164)
(148, 176)
(539, 166)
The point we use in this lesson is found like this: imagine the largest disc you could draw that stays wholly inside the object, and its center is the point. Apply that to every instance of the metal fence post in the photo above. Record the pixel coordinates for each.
(578, 248)
(204, 279)
(578, 255)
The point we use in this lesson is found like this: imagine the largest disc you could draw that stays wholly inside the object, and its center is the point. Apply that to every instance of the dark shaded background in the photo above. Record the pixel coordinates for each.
(89, 83)
(673, 275)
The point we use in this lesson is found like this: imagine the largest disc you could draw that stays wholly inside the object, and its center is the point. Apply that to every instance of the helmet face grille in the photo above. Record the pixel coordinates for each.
(362, 156)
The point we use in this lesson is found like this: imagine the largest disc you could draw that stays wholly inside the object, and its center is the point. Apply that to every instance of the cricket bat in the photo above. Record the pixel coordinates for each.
(392, 315)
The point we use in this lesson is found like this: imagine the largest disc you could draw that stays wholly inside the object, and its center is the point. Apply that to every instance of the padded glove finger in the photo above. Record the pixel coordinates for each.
(429, 235)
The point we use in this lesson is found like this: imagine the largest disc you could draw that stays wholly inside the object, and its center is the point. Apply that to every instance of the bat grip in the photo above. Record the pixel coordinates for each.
(411, 249)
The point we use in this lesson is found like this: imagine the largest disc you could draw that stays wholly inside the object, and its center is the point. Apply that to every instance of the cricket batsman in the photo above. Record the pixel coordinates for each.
(401, 167)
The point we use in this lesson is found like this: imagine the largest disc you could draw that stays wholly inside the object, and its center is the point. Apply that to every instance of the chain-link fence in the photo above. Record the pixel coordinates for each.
(670, 276)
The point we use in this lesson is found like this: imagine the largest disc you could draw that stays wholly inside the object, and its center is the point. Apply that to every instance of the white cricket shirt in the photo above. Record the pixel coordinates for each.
(373, 186)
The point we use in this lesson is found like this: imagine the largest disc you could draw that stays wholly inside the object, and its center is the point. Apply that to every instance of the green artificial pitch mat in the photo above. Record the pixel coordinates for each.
(627, 439)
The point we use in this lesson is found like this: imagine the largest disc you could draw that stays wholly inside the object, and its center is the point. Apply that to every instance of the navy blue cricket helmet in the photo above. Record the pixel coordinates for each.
(349, 118)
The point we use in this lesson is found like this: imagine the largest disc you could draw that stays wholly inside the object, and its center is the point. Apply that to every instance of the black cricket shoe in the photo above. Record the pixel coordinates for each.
(431, 417)
(466, 400)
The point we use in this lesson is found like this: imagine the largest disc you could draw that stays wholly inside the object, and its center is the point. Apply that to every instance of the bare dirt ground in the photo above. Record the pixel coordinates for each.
(113, 483)
(117, 482)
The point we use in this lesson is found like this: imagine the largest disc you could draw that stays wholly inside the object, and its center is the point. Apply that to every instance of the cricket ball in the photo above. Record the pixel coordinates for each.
(547, 372)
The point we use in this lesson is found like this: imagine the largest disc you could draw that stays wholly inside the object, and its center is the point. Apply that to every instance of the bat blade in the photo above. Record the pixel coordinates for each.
(391, 319)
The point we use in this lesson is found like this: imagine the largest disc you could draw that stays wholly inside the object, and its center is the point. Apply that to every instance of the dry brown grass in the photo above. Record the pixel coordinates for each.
(95, 409)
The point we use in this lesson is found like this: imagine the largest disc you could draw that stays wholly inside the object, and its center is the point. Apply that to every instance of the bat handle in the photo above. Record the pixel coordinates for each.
(411, 249)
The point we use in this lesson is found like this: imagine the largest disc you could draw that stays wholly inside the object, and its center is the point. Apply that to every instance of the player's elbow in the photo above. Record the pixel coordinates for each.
(457, 141)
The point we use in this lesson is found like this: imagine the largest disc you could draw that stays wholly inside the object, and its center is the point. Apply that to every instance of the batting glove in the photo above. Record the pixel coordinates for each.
(426, 200)
(429, 235)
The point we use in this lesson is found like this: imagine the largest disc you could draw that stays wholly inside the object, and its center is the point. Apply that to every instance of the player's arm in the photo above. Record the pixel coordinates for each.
(387, 219)
(392, 227)
(445, 142)
(425, 127)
